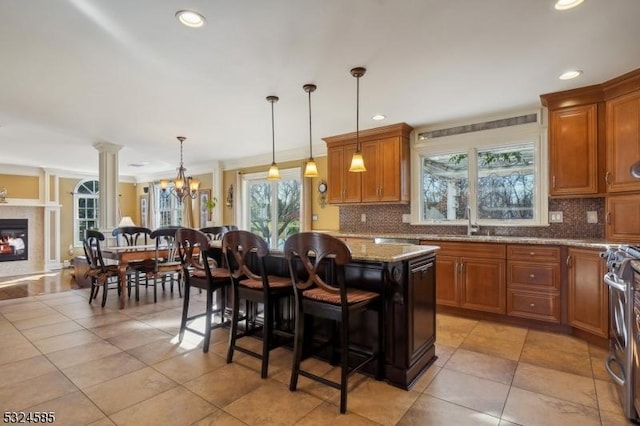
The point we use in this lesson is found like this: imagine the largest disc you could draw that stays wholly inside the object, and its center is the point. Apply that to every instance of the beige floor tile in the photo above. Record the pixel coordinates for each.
(608, 399)
(443, 353)
(124, 391)
(103, 369)
(469, 391)
(46, 331)
(103, 320)
(19, 371)
(80, 310)
(318, 367)
(451, 337)
(29, 313)
(427, 377)
(71, 409)
(158, 350)
(16, 352)
(569, 362)
(328, 414)
(225, 385)
(137, 338)
(121, 327)
(176, 406)
(598, 369)
(560, 342)
(219, 418)
(454, 322)
(482, 365)
(189, 365)
(81, 354)
(508, 349)
(377, 401)
(27, 393)
(614, 419)
(271, 403)
(530, 408)
(40, 321)
(17, 305)
(558, 384)
(428, 410)
(61, 298)
(102, 422)
(66, 341)
(500, 331)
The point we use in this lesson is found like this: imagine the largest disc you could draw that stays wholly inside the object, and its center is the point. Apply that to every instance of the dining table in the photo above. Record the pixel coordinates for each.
(127, 254)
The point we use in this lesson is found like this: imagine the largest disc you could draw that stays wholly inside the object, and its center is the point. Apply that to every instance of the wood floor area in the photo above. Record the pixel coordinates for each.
(105, 366)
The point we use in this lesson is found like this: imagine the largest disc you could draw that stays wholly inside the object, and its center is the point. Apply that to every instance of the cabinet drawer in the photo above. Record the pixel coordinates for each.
(490, 250)
(534, 276)
(539, 306)
(533, 253)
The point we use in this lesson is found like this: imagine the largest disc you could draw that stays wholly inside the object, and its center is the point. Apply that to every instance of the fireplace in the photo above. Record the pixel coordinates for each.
(14, 239)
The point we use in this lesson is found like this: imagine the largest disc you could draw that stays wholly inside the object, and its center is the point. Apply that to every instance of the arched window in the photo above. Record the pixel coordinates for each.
(85, 208)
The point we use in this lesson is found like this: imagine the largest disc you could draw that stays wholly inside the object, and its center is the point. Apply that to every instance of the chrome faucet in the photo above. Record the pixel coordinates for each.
(471, 228)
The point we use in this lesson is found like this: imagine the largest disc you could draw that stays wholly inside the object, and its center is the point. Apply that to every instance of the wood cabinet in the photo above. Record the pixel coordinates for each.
(533, 282)
(587, 296)
(471, 276)
(623, 142)
(622, 221)
(343, 186)
(573, 150)
(386, 153)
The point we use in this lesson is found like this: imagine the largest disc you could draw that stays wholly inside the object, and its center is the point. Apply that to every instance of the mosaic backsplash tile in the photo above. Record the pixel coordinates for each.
(387, 219)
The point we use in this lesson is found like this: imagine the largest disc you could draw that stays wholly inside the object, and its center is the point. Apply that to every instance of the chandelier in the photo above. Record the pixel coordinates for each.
(183, 186)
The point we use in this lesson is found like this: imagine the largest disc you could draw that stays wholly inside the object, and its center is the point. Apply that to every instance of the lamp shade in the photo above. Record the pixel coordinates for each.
(311, 169)
(126, 221)
(274, 173)
(357, 163)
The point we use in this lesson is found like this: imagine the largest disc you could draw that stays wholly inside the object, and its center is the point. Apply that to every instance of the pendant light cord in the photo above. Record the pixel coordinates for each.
(358, 114)
(310, 139)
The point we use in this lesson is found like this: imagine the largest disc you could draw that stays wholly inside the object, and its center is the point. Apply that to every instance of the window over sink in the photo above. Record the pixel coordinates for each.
(497, 176)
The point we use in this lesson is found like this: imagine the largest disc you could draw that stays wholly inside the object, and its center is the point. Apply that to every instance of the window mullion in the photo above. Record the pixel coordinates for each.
(472, 196)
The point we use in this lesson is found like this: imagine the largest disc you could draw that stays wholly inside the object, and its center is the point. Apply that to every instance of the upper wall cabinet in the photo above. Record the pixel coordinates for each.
(386, 153)
(576, 160)
(623, 142)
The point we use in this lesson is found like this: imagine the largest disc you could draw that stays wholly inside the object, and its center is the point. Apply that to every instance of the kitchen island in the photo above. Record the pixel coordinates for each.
(405, 275)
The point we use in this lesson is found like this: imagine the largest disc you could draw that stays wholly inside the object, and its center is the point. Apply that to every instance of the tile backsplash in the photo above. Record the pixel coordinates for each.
(387, 219)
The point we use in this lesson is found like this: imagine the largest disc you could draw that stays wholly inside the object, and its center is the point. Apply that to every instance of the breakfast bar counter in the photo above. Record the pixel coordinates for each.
(405, 275)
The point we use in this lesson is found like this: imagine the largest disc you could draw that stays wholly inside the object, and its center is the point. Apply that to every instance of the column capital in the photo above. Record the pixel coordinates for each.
(107, 147)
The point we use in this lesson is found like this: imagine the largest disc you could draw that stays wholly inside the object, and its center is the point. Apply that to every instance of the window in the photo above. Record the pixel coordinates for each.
(169, 212)
(495, 176)
(273, 208)
(85, 209)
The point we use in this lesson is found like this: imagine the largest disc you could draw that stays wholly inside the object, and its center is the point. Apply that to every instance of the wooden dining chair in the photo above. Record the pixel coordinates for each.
(133, 236)
(251, 283)
(100, 274)
(198, 272)
(317, 268)
(166, 262)
(215, 233)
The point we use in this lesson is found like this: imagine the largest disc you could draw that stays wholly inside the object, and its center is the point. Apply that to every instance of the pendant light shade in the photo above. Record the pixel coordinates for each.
(311, 170)
(274, 173)
(357, 162)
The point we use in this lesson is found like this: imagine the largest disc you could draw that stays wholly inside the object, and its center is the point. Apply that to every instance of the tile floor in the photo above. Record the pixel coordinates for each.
(104, 366)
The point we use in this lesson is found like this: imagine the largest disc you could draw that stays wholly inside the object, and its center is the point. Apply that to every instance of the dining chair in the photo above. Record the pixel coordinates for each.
(198, 272)
(317, 268)
(101, 275)
(133, 236)
(246, 253)
(166, 262)
(215, 233)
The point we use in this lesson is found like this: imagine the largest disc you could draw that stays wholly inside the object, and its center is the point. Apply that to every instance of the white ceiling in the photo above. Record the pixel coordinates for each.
(77, 72)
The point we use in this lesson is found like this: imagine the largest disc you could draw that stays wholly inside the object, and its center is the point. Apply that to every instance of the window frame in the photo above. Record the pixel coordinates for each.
(471, 143)
(175, 210)
(77, 238)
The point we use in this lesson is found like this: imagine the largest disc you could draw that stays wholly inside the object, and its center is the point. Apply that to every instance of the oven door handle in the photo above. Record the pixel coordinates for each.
(611, 358)
(611, 283)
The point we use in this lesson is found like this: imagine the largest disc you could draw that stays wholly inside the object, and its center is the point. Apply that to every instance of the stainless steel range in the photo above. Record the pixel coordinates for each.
(623, 337)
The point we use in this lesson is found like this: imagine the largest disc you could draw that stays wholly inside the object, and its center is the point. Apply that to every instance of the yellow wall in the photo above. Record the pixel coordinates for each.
(328, 217)
(19, 186)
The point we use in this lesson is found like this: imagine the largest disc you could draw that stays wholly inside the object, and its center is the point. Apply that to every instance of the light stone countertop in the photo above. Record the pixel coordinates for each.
(598, 244)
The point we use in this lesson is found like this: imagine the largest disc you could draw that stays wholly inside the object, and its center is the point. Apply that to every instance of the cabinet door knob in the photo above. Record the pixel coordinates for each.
(532, 253)
(532, 276)
(532, 305)
(553, 182)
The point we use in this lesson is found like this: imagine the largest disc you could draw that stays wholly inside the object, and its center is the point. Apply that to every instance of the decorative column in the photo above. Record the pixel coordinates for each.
(108, 178)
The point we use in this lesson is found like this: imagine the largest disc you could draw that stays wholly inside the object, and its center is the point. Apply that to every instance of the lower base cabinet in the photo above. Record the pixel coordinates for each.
(587, 296)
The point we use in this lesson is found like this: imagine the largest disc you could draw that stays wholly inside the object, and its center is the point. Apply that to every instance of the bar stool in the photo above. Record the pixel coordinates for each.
(316, 264)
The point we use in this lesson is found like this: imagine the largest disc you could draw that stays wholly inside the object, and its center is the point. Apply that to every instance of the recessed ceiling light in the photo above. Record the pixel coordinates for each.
(190, 18)
(568, 75)
(379, 117)
(567, 4)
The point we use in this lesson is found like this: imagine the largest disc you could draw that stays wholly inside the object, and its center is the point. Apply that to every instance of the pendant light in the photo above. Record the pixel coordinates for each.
(183, 186)
(357, 162)
(311, 170)
(274, 173)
